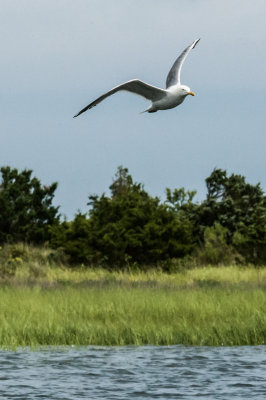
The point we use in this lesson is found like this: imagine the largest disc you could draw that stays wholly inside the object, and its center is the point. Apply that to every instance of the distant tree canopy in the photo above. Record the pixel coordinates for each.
(239, 207)
(130, 226)
(26, 210)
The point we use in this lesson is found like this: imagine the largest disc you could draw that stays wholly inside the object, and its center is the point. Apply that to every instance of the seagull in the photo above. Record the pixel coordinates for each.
(161, 99)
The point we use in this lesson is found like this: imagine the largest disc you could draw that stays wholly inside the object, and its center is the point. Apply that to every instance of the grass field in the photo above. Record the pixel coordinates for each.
(120, 316)
(45, 303)
(207, 306)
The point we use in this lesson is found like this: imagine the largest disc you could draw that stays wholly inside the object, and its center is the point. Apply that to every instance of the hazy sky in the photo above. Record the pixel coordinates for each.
(57, 56)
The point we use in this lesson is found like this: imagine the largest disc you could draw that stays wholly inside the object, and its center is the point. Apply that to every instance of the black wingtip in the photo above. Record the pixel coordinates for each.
(75, 116)
(196, 42)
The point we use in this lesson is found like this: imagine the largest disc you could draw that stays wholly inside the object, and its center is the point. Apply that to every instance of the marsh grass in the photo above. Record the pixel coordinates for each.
(49, 276)
(119, 316)
(42, 302)
(23, 265)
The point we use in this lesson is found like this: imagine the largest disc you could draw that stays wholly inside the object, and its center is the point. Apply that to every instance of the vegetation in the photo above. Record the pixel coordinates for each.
(126, 316)
(34, 266)
(26, 210)
(44, 302)
(240, 208)
(130, 271)
(130, 228)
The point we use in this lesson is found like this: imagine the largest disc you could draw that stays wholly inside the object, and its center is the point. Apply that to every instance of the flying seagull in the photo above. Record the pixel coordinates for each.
(162, 99)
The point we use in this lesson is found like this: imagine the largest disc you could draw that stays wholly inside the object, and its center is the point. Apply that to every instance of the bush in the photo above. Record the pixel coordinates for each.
(239, 207)
(215, 249)
(128, 227)
(26, 210)
(14, 256)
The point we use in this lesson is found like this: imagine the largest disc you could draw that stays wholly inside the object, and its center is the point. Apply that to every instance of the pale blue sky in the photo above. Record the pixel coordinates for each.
(57, 56)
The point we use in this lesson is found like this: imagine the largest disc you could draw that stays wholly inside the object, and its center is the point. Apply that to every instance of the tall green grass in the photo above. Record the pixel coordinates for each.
(120, 316)
(43, 302)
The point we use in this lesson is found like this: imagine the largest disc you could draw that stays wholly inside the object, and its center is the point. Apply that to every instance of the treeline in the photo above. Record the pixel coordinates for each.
(129, 227)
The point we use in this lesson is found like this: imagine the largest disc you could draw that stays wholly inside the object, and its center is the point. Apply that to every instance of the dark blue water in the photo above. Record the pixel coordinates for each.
(174, 372)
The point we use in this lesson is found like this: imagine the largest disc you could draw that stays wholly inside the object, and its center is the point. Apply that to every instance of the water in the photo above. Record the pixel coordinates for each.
(174, 372)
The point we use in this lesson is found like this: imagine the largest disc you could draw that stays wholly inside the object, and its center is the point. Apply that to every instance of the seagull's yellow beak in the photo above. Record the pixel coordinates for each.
(191, 93)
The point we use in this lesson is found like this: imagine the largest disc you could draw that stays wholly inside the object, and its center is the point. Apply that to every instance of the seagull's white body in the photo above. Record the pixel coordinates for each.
(173, 97)
(161, 99)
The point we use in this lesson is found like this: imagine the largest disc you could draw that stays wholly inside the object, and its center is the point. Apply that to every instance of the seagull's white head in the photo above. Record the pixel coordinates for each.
(185, 90)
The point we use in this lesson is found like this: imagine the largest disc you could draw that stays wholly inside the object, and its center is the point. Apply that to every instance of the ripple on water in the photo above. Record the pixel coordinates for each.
(174, 372)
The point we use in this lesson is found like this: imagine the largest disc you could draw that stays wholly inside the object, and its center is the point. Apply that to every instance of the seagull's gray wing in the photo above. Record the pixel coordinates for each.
(174, 74)
(134, 86)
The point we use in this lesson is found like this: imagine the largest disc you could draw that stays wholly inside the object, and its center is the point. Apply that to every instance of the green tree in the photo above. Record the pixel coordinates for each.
(128, 226)
(239, 207)
(26, 210)
(132, 226)
(215, 250)
(122, 183)
(75, 239)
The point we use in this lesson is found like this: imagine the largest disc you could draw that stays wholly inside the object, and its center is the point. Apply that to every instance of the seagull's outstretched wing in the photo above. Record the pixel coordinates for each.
(134, 86)
(174, 74)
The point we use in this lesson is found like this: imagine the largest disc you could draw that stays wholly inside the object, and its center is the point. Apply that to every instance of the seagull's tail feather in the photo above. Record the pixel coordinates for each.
(149, 110)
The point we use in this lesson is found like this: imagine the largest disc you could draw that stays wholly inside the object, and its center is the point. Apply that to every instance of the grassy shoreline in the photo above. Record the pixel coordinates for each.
(216, 306)
(117, 316)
